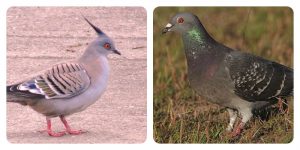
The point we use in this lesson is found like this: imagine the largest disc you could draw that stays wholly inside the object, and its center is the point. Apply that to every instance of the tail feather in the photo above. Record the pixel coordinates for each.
(17, 96)
(12, 96)
(11, 88)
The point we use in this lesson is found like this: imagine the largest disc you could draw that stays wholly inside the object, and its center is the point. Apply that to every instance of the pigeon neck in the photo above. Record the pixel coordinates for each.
(198, 34)
(199, 51)
(99, 62)
(197, 41)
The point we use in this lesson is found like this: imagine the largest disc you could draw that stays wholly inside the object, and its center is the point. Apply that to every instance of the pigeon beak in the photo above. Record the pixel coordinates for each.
(116, 52)
(167, 28)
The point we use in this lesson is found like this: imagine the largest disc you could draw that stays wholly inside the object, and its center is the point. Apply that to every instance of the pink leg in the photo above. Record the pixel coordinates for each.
(50, 132)
(282, 106)
(238, 129)
(68, 128)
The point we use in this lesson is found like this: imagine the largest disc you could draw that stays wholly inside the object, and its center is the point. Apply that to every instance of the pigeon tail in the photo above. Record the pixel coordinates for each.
(17, 96)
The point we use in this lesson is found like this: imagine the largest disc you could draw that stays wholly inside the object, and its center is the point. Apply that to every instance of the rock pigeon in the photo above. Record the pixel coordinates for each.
(67, 87)
(238, 81)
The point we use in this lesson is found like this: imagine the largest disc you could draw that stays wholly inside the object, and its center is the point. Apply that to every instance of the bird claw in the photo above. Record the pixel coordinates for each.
(236, 133)
(238, 130)
(62, 133)
(283, 106)
(56, 134)
(75, 132)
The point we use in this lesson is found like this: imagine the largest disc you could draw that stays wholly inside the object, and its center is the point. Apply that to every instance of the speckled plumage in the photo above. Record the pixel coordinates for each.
(239, 81)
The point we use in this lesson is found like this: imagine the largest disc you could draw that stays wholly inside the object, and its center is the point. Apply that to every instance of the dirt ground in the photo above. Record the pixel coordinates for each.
(38, 37)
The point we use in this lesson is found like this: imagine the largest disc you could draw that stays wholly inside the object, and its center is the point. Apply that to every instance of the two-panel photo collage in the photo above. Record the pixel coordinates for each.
(81, 75)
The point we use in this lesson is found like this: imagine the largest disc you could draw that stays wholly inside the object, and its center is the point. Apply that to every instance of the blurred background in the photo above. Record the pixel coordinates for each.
(180, 116)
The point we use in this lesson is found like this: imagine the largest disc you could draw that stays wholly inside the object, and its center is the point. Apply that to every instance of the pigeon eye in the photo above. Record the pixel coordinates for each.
(180, 20)
(107, 46)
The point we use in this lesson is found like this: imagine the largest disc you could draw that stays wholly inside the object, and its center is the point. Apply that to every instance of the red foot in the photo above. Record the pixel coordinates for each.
(238, 130)
(68, 128)
(75, 132)
(50, 132)
(282, 105)
(59, 134)
(56, 134)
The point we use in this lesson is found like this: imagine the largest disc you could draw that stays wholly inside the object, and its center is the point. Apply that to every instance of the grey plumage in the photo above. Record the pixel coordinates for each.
(67, 87)
(239, 81)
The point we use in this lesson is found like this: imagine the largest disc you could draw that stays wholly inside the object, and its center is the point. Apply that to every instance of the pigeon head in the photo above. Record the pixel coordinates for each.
(182, 22)
(188, 25)
(103, 44)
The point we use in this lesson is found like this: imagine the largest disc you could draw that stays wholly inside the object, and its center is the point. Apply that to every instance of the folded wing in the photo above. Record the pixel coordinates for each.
(61, 81)
(257, 79)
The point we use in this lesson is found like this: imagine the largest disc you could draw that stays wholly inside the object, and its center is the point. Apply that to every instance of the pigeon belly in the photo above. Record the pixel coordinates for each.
(212, 85)
(206, 74)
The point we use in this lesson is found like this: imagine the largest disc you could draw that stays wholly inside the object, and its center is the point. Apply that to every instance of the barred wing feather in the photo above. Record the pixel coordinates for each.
(61, 81)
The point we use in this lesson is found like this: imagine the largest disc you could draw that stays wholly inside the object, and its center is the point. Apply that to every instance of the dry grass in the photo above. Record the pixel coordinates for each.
(180, 116)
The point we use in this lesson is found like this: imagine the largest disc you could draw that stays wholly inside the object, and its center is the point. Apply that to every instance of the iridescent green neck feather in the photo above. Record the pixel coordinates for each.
(195, 34)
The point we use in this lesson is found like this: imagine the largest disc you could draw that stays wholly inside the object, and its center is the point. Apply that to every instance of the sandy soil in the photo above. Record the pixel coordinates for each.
(39, 37)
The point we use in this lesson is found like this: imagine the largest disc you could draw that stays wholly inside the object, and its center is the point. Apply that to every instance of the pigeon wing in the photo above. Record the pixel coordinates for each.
(257, 79)
(61, 81)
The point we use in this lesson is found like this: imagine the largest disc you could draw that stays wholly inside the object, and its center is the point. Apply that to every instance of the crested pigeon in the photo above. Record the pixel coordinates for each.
(67, 87)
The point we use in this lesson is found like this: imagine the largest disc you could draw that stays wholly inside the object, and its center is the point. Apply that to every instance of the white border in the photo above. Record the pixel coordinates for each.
(150, 5)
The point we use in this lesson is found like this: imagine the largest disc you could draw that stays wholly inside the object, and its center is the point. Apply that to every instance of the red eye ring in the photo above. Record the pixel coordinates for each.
(107, 46)
(180, 20)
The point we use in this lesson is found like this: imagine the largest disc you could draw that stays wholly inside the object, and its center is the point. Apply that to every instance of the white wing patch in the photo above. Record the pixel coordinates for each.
(62, 81)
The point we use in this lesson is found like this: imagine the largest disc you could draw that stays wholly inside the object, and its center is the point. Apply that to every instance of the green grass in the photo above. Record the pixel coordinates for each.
(180, 115)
